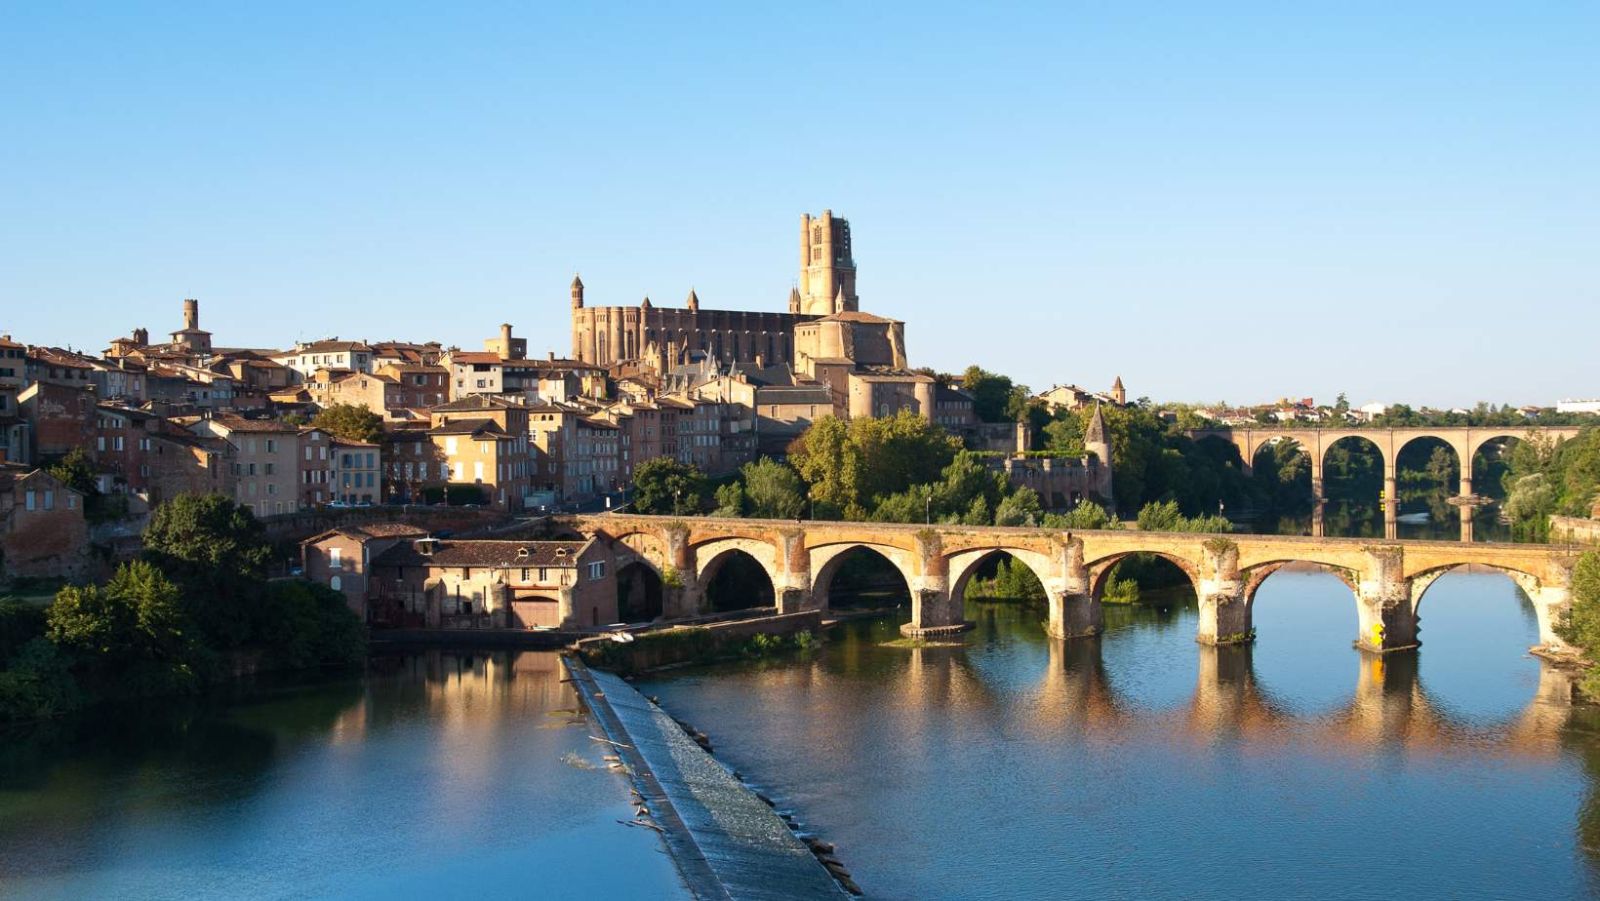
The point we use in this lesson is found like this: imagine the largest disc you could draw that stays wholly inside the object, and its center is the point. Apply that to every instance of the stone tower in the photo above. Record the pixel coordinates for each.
(1098, 442)
(1118, 393)
(577, 293)
(827, 267)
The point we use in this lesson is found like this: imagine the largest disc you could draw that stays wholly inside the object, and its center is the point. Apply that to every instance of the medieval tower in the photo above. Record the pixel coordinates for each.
(827, 269)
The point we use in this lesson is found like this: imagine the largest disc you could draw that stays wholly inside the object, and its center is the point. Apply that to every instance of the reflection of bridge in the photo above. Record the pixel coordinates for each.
(1387, 578)
(1464, 441)
(1389, 706)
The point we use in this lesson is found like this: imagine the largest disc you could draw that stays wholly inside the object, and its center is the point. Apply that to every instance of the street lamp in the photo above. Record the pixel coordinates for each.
(676, 493)
(927, 509)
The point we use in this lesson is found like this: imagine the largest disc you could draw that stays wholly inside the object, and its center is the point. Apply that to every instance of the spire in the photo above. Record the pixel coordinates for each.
(1095, 433)
(645, 304)
(794, 300)
(694, 300)
(577, 291)
(1118, 393)
(838, 301)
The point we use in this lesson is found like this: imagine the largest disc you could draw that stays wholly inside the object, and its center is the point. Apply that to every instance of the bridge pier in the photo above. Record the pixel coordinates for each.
(935, 610)
(1074, 615)
(1224, 611)
(1386, 607)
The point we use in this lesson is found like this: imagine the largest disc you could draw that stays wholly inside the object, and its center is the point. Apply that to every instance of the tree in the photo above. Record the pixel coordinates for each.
(991, 393)
(310, 625)
(664, 486)
(850, 466)
(129, 637)
(730, 500)
(76, 471)
(1020, 508)
(350, 422)
(774, 490)
(1087, 515)
(217, 551)
(1581, 627)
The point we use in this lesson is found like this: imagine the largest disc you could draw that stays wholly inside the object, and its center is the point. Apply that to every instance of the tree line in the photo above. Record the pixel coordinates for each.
(196, 607)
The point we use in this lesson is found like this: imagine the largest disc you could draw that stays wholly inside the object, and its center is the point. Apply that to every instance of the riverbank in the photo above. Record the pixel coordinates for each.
(726, 841)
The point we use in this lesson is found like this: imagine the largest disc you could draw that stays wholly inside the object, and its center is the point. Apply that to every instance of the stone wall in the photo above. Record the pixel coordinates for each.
(1571, 529)
(293, 527)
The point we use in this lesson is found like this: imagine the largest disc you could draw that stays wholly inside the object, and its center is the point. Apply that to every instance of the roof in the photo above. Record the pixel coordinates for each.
(501, 554)
(373, 530)
(11, 474)
(856, 316)
(478, 402)
(240, 424)
(470, 427)
(322, 347)
(474, 356)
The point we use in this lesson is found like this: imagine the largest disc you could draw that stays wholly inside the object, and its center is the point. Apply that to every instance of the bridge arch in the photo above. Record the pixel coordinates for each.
(964, 565)
(1252, 577)
(722, 563)
(828, 559)
(1100, 569)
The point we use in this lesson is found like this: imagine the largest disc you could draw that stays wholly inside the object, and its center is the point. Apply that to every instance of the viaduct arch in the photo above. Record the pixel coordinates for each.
(1465, 441)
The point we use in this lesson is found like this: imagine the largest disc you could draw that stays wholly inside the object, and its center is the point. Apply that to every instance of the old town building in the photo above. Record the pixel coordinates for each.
(42, 529)
(444, 583)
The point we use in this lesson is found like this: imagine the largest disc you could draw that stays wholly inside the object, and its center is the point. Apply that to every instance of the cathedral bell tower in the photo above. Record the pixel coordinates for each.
(827, 268)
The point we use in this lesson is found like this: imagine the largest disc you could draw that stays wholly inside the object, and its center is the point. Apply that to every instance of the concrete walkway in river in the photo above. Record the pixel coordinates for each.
(726, 841)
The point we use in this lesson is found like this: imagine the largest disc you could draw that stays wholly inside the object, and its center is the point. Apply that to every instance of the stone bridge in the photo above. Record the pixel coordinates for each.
(1388, 579)
(1465, 441)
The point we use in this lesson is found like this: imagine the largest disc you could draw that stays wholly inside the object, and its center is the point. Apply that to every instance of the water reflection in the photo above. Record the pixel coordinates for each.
(1175, 756)
(435, 773)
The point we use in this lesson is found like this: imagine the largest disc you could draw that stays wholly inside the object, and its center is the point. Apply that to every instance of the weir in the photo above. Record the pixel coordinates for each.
(726, 841)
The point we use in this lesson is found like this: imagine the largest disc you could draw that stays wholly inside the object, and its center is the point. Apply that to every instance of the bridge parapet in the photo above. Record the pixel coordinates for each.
(1388, 578)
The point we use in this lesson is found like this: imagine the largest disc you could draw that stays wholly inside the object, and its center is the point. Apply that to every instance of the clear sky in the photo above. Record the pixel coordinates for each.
(1216, 201)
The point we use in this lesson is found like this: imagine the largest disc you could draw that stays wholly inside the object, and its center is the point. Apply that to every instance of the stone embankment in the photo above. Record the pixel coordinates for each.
(726, 840)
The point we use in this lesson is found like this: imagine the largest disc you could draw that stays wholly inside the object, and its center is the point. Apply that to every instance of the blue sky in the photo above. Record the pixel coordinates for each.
(1217, 201)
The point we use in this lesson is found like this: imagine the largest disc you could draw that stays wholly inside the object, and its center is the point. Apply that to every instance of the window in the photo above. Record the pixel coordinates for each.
(450, 445)
(335, 558)
(269, 468)
(29, 501)
(72, 501)
(308, 450)
(524, 574)
(544, 574)
(100, 443)
(272, 446)
(370, 462)
(49, 499)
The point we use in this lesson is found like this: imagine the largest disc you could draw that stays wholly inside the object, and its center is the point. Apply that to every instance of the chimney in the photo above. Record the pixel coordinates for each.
(552, 356)
(191, 314)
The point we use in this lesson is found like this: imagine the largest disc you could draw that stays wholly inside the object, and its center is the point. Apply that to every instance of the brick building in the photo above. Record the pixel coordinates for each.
(42, 529)
(496, 584)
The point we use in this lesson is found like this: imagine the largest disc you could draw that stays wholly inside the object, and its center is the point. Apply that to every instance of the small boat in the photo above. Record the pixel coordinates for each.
(1414, 519)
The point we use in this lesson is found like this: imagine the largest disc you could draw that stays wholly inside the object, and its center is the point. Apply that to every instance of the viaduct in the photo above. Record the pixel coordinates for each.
(1465, 441)
(1388, 579)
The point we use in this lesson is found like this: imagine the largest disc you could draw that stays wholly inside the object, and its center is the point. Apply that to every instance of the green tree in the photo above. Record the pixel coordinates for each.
(774, 490)
(350, 422)
(129, 637)
(76, 471)
(664, 486)
(730, 500)
(1019, 508)
(310, 625)
(991, 394)
(1087, 515)
(850, 466)
(1581, 627)
(217, 551)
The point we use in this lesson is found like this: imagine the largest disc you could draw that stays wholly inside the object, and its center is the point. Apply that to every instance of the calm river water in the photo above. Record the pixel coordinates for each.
(1138, 765)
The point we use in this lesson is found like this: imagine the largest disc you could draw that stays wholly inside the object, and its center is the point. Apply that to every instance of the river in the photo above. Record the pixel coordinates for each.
(1136, 765)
